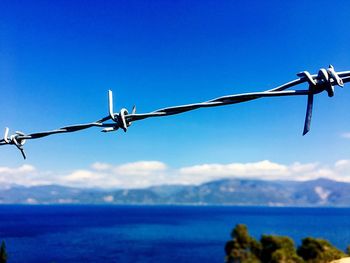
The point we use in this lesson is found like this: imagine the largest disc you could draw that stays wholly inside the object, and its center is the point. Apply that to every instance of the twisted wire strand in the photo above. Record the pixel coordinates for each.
(325, 80)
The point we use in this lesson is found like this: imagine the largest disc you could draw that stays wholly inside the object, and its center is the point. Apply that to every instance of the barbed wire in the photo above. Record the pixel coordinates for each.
(325, 80)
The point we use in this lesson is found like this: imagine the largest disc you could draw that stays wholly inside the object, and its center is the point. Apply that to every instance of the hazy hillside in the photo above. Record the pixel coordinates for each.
(321, 192)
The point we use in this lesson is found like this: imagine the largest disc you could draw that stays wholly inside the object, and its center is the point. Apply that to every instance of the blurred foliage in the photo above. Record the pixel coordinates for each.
(315, 250)
(244, 248)
(278, 249)
(3, 253)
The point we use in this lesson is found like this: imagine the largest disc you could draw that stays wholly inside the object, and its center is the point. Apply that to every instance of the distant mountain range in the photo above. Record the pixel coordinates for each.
(320, 192)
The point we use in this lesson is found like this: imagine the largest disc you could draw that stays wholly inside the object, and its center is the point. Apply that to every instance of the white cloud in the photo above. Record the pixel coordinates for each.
(141, 168)
(24, 175)
(26, 168)
(302, 168)
(81, 175)
(100, 166)
(147, 173)
(129, 175)
(236, 169)
(345, 135)
(265, 170)
(342, 164)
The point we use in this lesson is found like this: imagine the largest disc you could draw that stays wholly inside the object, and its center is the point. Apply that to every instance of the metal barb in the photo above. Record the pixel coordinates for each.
(334, 75)
(119, 119)
(16, 140)
(325, 80)
(6, 139)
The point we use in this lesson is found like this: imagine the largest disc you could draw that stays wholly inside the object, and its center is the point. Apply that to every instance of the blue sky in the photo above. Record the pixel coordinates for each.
(59, 58)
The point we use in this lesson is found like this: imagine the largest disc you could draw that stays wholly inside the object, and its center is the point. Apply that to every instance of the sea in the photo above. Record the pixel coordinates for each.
(96, 233)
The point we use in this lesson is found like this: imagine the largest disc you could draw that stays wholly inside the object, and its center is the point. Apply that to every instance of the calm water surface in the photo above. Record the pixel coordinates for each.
(153, 233)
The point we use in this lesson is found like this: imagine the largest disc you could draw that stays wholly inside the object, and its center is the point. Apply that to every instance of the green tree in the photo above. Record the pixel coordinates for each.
(278, 249)
(315, 250)
(3, 253)
(241, 235)
(242, 248)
